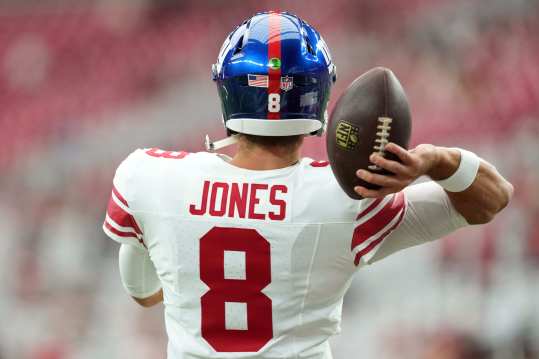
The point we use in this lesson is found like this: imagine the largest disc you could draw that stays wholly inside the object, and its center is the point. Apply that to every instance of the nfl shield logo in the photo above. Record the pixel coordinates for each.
(286, 83)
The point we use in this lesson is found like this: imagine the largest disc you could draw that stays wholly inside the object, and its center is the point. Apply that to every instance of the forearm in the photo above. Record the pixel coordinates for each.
(138, 275)
(488, 194)
(476, 189)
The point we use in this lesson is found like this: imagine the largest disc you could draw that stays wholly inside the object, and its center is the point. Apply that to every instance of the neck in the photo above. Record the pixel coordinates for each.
(254, 157)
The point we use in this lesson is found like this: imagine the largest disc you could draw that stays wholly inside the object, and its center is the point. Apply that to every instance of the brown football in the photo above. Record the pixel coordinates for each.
(371, 112)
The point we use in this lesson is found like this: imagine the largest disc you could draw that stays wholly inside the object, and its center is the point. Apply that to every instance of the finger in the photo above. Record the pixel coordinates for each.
(373, 193)
(400, 152)
(392, 166)
(381, 180)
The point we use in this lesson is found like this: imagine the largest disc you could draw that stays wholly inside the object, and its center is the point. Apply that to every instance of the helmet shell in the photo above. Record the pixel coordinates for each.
(274, 73)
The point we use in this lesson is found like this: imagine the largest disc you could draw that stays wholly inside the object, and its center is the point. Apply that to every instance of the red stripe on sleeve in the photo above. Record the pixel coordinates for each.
(367, 249)
(368, 209)
(123, 234)
(120, 233)
(375, 224)
(119, 196)
(121, 217)
(274, 51)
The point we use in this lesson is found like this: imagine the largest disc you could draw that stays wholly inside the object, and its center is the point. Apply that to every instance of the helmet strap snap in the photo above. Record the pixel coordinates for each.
(213, 146)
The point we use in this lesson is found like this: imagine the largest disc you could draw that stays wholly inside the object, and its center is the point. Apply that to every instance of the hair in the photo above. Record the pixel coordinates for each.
(290, 142)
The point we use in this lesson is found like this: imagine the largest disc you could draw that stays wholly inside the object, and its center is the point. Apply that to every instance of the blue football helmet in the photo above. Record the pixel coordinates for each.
(274, 74)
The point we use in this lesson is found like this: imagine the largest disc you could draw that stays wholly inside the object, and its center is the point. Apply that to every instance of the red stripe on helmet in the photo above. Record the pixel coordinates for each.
(274, 51)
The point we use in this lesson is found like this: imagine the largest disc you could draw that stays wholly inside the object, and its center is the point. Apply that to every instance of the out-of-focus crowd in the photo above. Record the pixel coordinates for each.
(83, 85)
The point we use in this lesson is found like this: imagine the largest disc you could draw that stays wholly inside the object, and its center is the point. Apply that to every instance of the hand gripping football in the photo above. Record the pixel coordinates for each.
(371, 112)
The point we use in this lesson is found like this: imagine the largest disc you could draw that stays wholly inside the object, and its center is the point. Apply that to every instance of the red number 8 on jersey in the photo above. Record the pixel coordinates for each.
(249, 290)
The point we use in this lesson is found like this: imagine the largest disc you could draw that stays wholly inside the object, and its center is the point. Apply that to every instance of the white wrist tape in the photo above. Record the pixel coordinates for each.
(137, 271)
(464, 175)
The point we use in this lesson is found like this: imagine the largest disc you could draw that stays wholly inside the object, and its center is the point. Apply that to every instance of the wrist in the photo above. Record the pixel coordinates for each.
(456, 170)
(445, 162)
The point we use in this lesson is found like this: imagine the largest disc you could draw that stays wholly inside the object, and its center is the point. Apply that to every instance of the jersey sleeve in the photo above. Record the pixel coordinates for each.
(427, 215)
(377, 218)
(120, 222)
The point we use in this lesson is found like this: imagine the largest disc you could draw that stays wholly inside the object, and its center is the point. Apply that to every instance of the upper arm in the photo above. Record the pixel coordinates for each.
(429, 215)
(120, 223)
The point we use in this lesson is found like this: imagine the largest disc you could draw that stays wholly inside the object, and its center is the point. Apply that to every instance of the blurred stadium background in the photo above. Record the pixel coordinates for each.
(83, 83)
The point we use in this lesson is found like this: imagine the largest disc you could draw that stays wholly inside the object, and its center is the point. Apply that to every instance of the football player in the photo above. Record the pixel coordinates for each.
(253, 254)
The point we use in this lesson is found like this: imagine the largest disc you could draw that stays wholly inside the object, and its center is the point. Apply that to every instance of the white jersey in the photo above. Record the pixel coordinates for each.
(255, 264)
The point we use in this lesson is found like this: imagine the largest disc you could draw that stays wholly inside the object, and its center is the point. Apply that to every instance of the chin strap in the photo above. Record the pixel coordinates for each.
(213, 146)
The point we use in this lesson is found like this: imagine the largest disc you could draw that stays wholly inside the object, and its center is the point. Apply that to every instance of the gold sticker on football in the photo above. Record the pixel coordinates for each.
(346, 136)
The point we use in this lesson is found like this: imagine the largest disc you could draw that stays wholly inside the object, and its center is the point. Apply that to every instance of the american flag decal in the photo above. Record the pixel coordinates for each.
(258, 80)
(286, 84)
